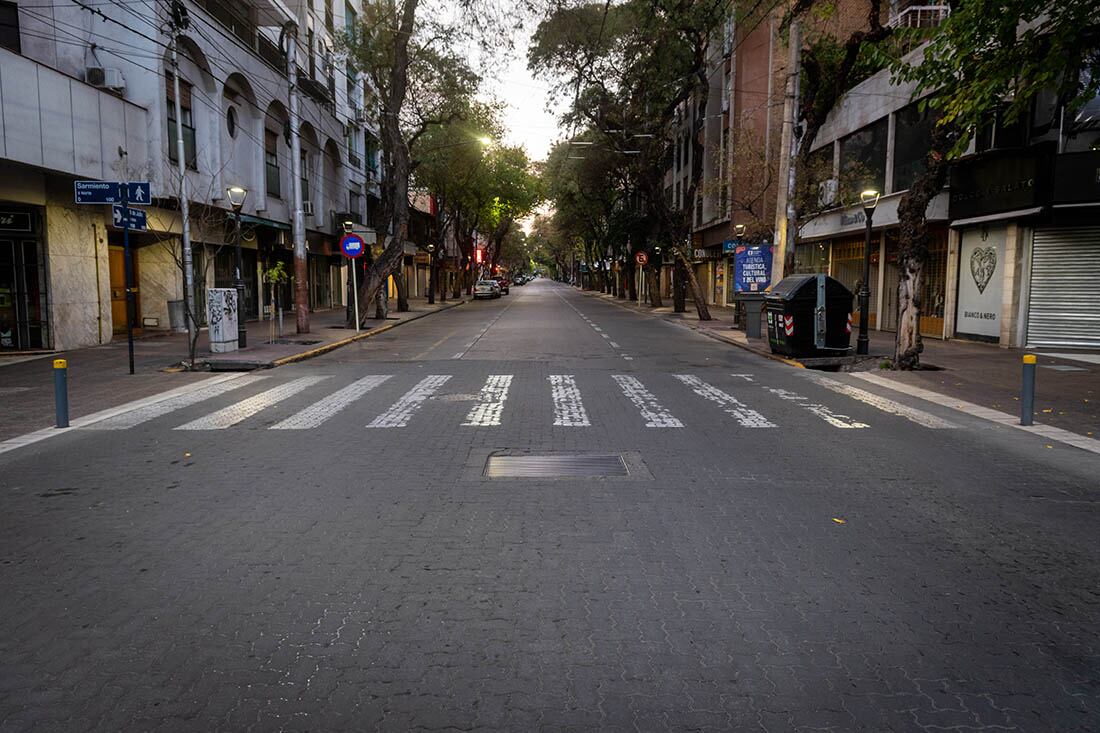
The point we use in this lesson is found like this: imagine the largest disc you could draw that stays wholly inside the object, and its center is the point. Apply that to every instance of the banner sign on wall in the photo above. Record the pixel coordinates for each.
(752, 268)
(981, 274)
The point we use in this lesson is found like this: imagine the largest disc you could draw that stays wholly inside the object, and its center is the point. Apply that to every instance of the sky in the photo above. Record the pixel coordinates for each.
(526, 120)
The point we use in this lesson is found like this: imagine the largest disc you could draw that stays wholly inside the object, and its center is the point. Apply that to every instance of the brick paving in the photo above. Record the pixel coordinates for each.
(802, 577)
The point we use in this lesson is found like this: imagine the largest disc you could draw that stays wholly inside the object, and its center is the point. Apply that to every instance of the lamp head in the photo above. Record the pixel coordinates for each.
(430, 248)
(869, 199)
(236, 195)
(348, 226)
(739, 230)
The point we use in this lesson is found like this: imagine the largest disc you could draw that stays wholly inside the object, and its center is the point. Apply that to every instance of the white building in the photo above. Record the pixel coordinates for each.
(87, 94)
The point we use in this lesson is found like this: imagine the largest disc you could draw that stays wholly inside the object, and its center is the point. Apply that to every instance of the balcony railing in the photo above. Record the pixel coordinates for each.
(920, 16)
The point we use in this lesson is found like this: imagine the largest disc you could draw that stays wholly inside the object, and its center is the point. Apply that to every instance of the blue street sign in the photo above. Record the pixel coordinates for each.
(352, 245)
(138, 220)
(110, 192)
(139, 193)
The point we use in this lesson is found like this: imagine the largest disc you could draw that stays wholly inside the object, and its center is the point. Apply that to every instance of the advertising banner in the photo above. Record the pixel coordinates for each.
(752, 268)
(981, 274)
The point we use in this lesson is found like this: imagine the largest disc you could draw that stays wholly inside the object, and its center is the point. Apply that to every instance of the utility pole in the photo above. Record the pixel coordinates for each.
(301, 266)
(786, 215)
(179, 23)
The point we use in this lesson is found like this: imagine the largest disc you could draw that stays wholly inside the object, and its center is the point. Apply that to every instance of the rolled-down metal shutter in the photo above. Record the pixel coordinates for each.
(1064, 308)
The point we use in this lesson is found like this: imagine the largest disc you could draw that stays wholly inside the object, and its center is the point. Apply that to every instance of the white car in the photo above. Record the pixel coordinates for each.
(486, 289)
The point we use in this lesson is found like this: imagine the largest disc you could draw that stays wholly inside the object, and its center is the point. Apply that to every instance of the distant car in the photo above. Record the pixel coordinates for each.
(486, 289)
(503, 282)
(520, 280)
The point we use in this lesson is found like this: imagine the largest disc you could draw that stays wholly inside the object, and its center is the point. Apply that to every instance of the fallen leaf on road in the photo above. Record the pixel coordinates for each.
(1049, 445)
(186, 455)
(838, 520)
(1048, 410)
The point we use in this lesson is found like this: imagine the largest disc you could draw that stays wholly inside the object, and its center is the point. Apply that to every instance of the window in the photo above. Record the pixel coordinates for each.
(863, 160)
(231, 121)
(352, 141)
(271, 163)
(355, 205)
(350, 18)
(186, 125)
(372, 155)
(311, 49)
(9, 27)
(328, 15)
(912, 139)
(307, 173)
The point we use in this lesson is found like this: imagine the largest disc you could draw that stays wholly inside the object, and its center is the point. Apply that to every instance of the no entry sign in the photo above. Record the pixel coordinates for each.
(641, 258)
(352, 245)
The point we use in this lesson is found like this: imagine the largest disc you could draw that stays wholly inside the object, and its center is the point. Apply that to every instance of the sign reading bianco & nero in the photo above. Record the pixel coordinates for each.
(981, 274)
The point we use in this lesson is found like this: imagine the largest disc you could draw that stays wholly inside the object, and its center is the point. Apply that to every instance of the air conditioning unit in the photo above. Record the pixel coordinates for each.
(307, 208)
(105, 78)
(827, 191)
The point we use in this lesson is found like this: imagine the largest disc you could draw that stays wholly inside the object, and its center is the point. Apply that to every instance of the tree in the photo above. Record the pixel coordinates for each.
(986, 60)
(632, 69)
(420, 79)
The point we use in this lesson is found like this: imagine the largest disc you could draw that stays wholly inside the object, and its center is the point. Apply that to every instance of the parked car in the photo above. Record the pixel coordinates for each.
(519, 280)
(503, 282)
(486, 289)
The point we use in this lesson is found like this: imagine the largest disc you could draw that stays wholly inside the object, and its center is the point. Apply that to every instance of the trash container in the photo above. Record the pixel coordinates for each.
(809, 316)
(177, 315)
(753, 304)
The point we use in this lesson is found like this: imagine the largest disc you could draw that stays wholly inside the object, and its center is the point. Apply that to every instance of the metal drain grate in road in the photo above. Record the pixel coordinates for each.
(556, 466)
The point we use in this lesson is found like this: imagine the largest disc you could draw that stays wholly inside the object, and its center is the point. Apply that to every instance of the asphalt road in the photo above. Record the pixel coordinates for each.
(319, 547)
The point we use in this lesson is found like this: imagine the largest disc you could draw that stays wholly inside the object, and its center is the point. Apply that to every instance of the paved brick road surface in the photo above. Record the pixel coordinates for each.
(345, 577)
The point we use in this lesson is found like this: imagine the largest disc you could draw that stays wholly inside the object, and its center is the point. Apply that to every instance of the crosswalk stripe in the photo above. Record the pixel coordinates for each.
(490, 402)
(833, 418)
(568, 408)
(235, 413)
(920, 417)
(400, 412)
(323, 409)
(744, 415)
(656, 416)
(144, 414)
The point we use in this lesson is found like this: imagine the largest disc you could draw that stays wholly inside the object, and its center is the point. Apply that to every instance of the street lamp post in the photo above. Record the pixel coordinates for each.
(237, 195)
(869, 198)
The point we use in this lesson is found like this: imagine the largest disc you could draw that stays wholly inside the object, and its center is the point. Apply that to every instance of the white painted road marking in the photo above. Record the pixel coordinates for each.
(229, 416)
(157, 409)
(490, 402)
(920, 417)
(401, 411)
(568, 407)
(656, 416)
(744, 415)
(835, 419)
(1003, 418)
(322, 410)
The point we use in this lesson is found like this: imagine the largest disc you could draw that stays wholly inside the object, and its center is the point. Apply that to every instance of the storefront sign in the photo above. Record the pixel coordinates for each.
(999, 182)
(15, 221)
(981, 275)
(752, 269)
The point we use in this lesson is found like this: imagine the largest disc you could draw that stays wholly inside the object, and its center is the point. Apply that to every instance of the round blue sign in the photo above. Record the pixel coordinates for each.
(352, 245)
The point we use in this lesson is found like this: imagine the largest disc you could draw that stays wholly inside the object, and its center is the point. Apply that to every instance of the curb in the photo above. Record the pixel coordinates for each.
(325, 348)
(709, 333)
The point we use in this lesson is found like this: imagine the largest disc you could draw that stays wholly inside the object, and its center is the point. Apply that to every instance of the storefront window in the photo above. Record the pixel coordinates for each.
(810, 258)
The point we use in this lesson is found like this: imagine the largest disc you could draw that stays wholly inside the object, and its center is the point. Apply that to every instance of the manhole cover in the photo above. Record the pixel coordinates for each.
(556, 466)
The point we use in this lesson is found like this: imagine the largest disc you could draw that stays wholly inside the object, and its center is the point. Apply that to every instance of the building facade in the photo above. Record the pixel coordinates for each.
(91, 96)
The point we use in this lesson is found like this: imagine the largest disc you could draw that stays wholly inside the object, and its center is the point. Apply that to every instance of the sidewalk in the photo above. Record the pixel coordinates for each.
(1067, 391)
(99, 378)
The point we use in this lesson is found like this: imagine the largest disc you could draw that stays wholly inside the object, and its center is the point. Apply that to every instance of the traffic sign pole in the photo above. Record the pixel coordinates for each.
(128, 257)
(355, 291)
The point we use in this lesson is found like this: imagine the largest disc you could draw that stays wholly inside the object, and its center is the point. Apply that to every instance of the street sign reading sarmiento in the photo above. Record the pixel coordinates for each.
(111, 192)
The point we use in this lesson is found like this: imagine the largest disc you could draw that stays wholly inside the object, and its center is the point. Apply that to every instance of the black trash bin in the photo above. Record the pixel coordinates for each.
(792, 317)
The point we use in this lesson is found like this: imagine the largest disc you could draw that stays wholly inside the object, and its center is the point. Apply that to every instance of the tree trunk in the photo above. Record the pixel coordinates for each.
(654, 287)
(697, 293)
(679, 289)
(402, 288)
(913, 246)
(631, 283)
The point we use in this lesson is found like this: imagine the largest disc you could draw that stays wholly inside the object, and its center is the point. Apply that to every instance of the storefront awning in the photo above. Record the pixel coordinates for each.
(246, 219)
(1018, 214)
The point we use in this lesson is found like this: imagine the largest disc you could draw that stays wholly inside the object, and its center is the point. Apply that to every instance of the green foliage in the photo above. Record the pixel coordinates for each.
(997, 56)
(276, 274)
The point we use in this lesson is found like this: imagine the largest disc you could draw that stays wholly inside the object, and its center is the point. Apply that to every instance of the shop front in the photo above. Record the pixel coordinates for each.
(1064, 304)
(24, 323)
